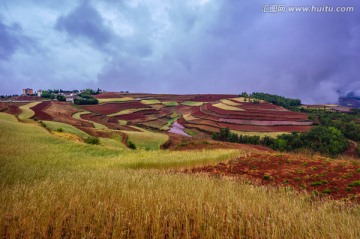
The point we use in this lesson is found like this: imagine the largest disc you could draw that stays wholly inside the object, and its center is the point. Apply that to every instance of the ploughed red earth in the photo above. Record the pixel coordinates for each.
(337, 179)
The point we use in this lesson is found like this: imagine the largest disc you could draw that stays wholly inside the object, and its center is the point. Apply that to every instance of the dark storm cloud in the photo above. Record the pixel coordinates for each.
(10, 40)
(203, 46)
(84, 21)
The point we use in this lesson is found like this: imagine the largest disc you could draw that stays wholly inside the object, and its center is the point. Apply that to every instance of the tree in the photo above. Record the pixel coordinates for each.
(61, 98)
(326, 140)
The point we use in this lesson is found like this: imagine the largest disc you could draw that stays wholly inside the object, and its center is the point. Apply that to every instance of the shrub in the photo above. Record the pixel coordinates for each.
(354, 184)
(92, 140)
(60, 98)
(214, 136)
(131, 145)
(318, 183)
(266, 177)
(60, 130)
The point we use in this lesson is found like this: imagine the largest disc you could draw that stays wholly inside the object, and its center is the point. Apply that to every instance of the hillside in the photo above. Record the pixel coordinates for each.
(54, 186)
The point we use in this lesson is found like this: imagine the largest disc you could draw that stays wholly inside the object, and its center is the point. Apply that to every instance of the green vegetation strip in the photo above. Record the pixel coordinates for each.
(127, 111)
(170, 103)
(169, 123)
(96, 125)
(150, 102)
(114, 100)
(54, 126)
(192, 103)
(51, 187)
(146, 139)
(66, 128)
(26, 112)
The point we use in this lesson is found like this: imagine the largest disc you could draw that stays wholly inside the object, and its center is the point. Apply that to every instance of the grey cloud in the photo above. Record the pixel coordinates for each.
(221, 47)
(85, 21)
(11, 39)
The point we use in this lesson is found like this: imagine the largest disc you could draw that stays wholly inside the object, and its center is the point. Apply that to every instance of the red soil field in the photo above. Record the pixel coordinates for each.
(39, 110)
(27, 98)
(211, 97)
(11, 108)
(111, 108)
(109, 122)
(203, 128)
(255, 114)
(109, 95)
(264, 122)
(62, 112)
(317, 175)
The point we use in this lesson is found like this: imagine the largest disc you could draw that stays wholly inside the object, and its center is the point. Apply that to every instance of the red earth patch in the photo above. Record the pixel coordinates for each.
(337, 179)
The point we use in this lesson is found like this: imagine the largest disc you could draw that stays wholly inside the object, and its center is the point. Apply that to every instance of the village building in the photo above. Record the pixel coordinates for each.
(28, 91)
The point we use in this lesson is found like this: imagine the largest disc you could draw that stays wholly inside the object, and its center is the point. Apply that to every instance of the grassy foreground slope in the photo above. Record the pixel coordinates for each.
(52, 187)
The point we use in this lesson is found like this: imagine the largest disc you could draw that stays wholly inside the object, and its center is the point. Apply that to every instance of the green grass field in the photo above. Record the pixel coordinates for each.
(114, 100)
(51, 187)
(146, 139)
(192, 103)
(170, 103)
(150, 102)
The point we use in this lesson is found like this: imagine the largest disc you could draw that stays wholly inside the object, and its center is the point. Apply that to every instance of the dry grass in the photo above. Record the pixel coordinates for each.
(189, 117)
(54, 188)
(229, 102)
(227, 107)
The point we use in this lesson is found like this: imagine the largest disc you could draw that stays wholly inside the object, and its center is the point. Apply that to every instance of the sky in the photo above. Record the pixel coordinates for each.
(181, 46)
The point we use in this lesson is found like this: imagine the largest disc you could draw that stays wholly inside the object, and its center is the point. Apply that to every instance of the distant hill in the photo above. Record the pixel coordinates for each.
(350, 100)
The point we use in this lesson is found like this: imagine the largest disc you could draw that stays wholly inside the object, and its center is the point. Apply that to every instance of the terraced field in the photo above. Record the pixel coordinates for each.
(197, 113)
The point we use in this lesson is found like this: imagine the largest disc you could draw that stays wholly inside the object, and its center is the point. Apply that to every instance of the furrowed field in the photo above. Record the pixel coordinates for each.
(53, 187)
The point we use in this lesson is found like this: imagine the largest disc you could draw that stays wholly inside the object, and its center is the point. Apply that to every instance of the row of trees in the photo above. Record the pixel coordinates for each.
(347, 123)
(325, 140)
(58, 91)
(52, 96)
(291, 104)
(86, 101)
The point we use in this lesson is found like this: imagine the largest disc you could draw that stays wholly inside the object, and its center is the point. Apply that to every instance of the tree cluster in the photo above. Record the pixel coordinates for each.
(325, 140)
(347, 123)
(287, 103)
(86, 101)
